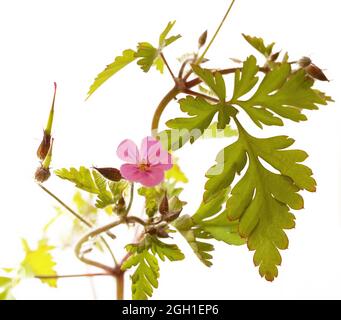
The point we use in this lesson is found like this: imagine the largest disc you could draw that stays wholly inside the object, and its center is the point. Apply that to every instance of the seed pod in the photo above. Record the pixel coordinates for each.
(44, 146)
(42, 174)
(164, 207)
(111, 174)
(202, 39)
(315, 72)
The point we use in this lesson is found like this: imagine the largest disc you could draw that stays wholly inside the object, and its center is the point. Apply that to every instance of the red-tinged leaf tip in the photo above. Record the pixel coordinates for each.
(269, 277)
(55, 86)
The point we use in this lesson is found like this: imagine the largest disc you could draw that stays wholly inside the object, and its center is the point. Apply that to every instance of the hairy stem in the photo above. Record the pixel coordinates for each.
(198, 94)
(92, 234)
(186, 89)
(82, 275)
(168, 67)
(161, 107)
(131, 197)
(120, 286)
(216, 33)
(79, 217)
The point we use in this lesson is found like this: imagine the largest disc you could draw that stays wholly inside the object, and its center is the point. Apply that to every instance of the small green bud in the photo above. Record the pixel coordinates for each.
(120, 207)
(202, 39)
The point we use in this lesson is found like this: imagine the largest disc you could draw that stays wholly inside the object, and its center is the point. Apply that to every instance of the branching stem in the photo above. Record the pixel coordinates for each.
(79, 217)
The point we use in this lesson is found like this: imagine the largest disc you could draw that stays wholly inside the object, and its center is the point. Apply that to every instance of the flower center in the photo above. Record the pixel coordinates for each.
(144, 166)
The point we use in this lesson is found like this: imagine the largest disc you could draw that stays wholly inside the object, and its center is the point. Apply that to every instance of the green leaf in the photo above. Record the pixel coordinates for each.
(176, 174)
(39, 261)
(119, 63)
(148, 55)
(245, 79)
(258, 44)
(201, 112)
(163, 40)
(214, 132)
(261, 200)
(82, 178)
(162, 249)
(152, 197)
(190, 231)
(280, 92)
(108, 192)
(219, 227)
(214, 81)
(146, 274)
(5, 281)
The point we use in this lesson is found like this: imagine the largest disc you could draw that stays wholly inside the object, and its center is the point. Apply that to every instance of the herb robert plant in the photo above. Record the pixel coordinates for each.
(244, 202)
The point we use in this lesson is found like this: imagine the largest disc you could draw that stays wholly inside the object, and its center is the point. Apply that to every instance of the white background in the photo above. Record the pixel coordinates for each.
(70, 42)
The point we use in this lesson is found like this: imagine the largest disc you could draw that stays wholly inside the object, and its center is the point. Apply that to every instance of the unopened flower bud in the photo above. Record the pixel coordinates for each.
(164, 206)
(316, 73)
(120, 207)
(112, 174)
(171, 216)
(44, 146)
(202, 39)
(311, 69)
(275, 56)
(162, 233)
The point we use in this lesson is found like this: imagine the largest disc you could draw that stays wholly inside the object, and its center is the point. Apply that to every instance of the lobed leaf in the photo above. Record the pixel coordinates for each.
(39, 261)
(281, 92)
(146, 274)
(108, 192)
(187, 228)
(261, 200)
(258, 44)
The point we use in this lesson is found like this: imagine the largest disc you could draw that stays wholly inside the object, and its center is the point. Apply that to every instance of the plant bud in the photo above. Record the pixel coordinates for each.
(171, 216)
(202, 39)
(120, 207)
(315, 72)
(275, 56)
(311, 69)
(164, 207)
(44, 146)
(162, 233)
(111, 174)
(42, 174)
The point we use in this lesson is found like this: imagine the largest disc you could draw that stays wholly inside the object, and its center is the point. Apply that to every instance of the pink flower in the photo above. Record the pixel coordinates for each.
(147, 165)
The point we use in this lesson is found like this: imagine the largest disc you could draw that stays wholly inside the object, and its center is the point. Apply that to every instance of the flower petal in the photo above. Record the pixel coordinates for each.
(131, 172)
(128, 151)
(152, 152)
(152, 177)
(165, 166)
